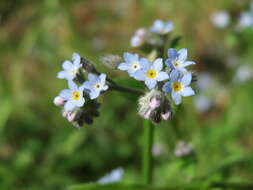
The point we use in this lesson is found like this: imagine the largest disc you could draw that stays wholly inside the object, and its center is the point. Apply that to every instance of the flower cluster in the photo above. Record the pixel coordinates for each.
(165, 76)
(80, 91)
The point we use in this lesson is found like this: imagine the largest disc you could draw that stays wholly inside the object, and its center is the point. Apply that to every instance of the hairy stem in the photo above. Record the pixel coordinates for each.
(148, 138)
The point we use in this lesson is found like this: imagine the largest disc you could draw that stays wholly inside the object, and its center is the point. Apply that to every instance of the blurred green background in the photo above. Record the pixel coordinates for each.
(39, 149)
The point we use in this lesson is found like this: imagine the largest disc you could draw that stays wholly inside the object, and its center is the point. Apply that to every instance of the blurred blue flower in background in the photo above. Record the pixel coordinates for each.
(177, 60)
(73, 96)
(70, 69)
(178, 86)
(161, 27)
(246, 18)
(220, 19)
(151, 73)
(115, 176)
(95, 85)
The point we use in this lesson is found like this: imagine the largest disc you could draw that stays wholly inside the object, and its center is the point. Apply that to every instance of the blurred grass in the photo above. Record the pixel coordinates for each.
(40, 150)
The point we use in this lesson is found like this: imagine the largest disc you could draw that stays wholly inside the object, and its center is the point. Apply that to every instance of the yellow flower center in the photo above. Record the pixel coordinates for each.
(177, 63)
(135, 66)
(76, 95)
(177, 86)
(151, 73)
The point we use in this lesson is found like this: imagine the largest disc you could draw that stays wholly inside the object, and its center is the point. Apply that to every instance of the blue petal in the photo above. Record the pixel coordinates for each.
(65, 94)
(150, 83)
(70, 105)
(187, 63)
(187, 91)
(72, 85)
(130, 57)
(169, 26)
(176, 97)
(92, 77)
(76, 59)
(187, 78)
(123, 66)
(144, 63)
(174, 75)
(67, 65)
(157, 26)
(87, 85)
(167, 87)
(94, 94)
(172, 54)
(140, 75)
(105, 87)
(182, 55)
(102, 78)
(162, 76)
(158, 64)
(61, 75)
(80, 102)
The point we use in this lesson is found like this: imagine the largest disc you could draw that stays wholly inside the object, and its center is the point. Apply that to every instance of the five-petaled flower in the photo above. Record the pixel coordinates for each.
(70, 69)
(161, 27)
(95, 85)
(151, 73)
(178, 86)
(73, 96)
(177, 60)
(132, 63)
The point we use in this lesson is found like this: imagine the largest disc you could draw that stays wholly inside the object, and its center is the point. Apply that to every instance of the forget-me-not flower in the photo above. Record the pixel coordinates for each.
(178, 86)
(73, 96)
(151, 73)
(132, 63)
(220, 19)
(161, 27)
(95, 85)
(70, 69)
(177, 60)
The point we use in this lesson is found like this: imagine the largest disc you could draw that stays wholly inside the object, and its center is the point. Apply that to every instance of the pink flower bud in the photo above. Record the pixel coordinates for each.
(155, 103)
(59, 101)
(71, 117)
(166, 115)
(147, 114)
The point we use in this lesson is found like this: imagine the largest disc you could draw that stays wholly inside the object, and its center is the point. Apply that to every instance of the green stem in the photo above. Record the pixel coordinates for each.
(148, 139)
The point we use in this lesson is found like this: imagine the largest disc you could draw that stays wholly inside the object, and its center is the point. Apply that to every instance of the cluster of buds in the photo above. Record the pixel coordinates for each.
(154, 106)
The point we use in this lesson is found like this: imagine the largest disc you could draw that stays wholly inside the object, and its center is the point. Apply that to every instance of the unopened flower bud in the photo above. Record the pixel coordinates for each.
(111, 61)
(65, 113)
(155, 102)
(59, 101)
(147, 114)
(139, 37)
(166, 115)
(71, 117)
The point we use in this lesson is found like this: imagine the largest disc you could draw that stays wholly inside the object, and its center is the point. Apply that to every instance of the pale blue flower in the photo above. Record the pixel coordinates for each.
(95, 85)
(220, 19)
(161, 27)
(178, 60)
(73, 96)
(151, 73)
(70, 69)
(246, 19)
(178, 86)
(115, 176)
(132, 63)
